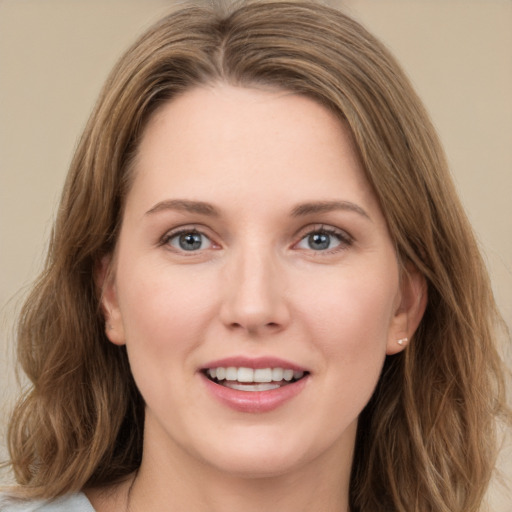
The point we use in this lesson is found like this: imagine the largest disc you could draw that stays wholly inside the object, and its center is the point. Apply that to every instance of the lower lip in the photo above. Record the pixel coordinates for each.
(254, 401)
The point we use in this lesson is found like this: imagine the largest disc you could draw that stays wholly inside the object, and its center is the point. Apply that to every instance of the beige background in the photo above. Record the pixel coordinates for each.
(55, 54)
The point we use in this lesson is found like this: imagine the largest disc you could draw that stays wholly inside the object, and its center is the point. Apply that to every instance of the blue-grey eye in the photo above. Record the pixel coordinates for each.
(320, 241)
(190, 241)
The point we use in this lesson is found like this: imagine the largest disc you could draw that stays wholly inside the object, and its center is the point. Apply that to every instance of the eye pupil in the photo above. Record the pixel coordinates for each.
(190, 241)
(319, 241)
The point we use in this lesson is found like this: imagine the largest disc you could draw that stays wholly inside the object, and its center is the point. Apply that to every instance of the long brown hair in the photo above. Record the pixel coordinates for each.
(426, 441)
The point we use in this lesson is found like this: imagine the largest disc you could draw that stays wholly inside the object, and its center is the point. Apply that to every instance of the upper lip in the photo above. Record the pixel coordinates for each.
(253, 362)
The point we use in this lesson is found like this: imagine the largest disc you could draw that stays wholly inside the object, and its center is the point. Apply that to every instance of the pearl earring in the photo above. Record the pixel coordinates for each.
(402, 341)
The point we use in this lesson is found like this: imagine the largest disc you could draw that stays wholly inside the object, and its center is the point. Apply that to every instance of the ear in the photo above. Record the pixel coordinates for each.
(409, 311)
(105, 282)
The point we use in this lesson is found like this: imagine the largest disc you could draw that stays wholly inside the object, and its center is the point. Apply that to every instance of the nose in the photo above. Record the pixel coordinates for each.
(254, 293)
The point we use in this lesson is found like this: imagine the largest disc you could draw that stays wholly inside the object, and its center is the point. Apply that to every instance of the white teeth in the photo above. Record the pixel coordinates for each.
(263, 375)
(245, 375)
(288, 375)
(231, 373)
(249, 375)
(277, 374)
(252, 387)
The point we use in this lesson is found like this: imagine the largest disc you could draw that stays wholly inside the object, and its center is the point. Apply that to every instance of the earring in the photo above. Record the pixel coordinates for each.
(402, 341)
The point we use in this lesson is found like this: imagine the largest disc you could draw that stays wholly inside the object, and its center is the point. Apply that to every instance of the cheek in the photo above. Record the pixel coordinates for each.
(163, 311)
(165, 319)
(353, 318)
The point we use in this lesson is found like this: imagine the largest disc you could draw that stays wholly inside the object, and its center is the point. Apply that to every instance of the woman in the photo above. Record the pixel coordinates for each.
(261, 287)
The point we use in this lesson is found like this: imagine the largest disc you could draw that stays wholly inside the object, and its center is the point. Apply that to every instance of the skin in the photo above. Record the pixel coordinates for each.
(256, 287)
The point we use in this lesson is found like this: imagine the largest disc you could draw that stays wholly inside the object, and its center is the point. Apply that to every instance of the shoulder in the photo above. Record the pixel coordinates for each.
(72, 503)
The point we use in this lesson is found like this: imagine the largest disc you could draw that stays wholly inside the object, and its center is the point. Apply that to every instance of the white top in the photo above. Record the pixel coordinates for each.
(71, 503)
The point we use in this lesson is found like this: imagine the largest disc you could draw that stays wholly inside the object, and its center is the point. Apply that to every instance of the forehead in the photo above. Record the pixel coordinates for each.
(222, 140)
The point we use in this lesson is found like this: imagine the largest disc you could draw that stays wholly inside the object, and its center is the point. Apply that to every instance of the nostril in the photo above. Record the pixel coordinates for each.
(269, 325)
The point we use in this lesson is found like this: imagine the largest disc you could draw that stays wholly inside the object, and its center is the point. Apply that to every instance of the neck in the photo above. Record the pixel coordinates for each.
(225, 493)
(172, 480)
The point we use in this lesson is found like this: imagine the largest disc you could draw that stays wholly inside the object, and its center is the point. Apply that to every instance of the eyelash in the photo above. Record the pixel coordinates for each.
(166, 239)
(344, 239)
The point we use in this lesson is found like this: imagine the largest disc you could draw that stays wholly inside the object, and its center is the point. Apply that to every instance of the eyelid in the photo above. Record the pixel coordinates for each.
(346, 239)
(189, 228)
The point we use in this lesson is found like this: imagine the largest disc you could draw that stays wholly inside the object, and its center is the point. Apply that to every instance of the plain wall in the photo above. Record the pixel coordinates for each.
(55, 55)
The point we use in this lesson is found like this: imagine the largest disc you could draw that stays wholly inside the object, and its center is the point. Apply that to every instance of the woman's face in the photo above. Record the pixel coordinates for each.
(252, 248)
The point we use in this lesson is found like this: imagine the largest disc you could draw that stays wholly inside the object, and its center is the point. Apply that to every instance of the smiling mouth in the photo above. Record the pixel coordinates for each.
(249, 379)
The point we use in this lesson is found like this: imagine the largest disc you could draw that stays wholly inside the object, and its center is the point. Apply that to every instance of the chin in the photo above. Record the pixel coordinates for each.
(260, 465)
(264, 454)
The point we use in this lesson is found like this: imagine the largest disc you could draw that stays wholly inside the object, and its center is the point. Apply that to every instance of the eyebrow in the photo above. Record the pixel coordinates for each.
(328, 206)
(300, 210)
(185, 205)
